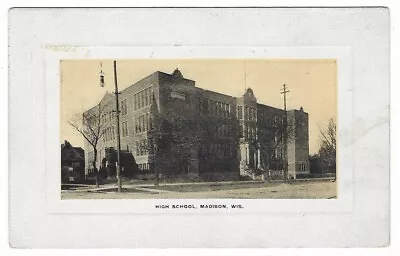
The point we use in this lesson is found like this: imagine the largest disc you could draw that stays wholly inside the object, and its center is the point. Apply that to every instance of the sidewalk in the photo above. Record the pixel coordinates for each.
(152, 188)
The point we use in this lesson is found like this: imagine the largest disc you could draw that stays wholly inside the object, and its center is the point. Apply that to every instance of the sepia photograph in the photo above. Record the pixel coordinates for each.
(198, 128)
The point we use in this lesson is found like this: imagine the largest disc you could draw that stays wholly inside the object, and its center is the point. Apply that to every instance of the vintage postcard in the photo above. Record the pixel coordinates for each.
(207, 127)
(197, 126)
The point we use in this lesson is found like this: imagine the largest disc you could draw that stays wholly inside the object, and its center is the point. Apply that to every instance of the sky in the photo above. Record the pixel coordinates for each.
(312, 85)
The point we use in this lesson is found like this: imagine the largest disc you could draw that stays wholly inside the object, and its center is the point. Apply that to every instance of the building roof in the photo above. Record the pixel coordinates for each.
(70, 153)
(177, 73)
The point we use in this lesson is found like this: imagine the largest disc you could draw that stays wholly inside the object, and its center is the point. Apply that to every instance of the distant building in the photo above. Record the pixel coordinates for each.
(72, 163)
(168, 123)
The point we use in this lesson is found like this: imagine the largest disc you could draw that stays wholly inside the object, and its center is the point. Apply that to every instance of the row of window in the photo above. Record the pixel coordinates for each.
(279, 153)
(219, 108)
(275, 121)
(224, 130)
(302, 167)
(248, 114)
(143, 98)
(145, 166)
(143, 123)
(248, 132)
(91, 120)
(106, 117)
(108, 134)
(219, 150)
(144, 147)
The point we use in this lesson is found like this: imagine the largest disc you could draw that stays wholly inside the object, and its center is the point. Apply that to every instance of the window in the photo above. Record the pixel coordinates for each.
(140, 123)
(301, 167)
(251, 110)
(135, 102)
(140, 148)
(240, 112)
(147, 122)
(249, 113)
(224, 110)
(199, 101)
(150, 95)
(241, 131)
(143, 123)
(146, 96)
(124, 129)
(227, 110)
(123, 107)
(136, 125)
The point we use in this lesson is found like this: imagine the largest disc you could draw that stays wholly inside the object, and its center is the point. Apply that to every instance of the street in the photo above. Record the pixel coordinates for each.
(307, 189)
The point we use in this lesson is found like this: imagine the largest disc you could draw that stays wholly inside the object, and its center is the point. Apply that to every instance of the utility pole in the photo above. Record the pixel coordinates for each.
(117, 167)
(117, 112)
(285, 135)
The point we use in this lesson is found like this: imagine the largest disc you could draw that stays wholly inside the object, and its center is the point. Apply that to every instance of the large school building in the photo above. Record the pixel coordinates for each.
(167, 122)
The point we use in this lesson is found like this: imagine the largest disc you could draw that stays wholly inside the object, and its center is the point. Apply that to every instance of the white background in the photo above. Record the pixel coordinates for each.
(281, 3)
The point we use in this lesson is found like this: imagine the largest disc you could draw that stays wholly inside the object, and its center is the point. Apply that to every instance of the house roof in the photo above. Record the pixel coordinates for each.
(68, 152)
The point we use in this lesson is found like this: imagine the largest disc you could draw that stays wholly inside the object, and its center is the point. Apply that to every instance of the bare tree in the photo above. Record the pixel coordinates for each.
(271, 139)
(91, 126)
(327, 151)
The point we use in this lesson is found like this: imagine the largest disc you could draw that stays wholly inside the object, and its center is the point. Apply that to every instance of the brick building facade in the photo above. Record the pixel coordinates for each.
(168, 123)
